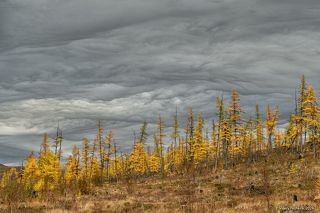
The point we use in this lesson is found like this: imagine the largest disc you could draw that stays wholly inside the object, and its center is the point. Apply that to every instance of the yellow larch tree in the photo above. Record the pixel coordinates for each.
(108, 152)
(199, 148)
(101, 149)
(214, 142)
(49, 166)
(154, 163)
(300, 116)
(225, 140)
(77, 157)
(154, 159)
(31, 173)
(244, 141)
(11, 187)
(58, 143)
(278, 139)
(207, 148)
(94, 170)
(179, 156)
(311, 112)
(138, 157)
(250, 140)
(73, 168)
(9, 178)
(86, 159)
(235, 111)
(70, 172)
(220, 114)
(259, 130)
(169, 160)
(160, 136)
(175, 135)
(293, 132)
(271, 122)
(189, 138)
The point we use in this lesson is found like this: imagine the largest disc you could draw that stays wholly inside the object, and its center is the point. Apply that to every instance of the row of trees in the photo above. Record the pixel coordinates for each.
(232, 139)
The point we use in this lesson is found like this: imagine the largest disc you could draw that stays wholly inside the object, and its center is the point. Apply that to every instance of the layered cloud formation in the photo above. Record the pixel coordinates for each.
(126, 61)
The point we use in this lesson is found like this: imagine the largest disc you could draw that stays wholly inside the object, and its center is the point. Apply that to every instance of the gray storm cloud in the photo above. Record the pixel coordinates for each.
(125, 61)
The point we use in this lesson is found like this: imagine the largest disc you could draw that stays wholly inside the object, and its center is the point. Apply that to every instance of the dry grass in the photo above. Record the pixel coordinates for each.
(245, 188)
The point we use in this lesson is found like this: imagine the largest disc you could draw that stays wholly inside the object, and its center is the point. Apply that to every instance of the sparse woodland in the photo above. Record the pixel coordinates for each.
(240, 164)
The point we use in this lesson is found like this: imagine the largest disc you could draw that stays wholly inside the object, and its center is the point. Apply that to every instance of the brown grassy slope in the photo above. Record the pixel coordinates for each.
(282, 181)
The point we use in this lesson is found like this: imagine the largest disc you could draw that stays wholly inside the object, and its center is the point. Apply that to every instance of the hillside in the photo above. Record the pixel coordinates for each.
(240, 165)
(3, 168)
(281, 181)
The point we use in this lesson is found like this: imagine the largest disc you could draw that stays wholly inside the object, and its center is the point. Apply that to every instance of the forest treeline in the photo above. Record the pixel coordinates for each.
(232, 139)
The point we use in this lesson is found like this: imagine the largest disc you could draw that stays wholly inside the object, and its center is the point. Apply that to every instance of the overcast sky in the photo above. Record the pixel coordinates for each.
(125, 61)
